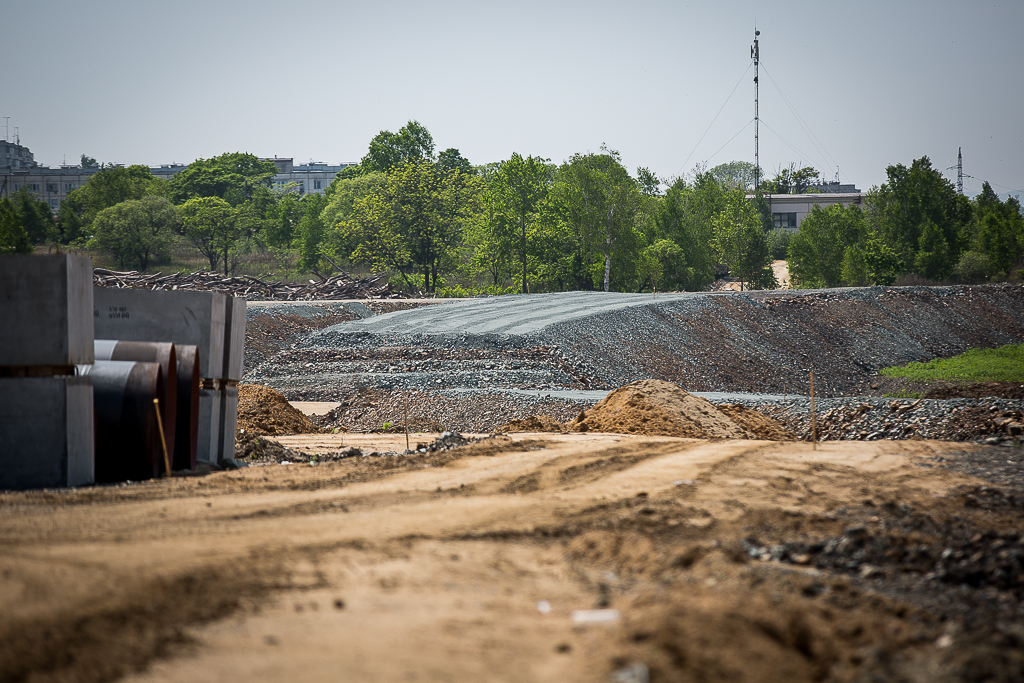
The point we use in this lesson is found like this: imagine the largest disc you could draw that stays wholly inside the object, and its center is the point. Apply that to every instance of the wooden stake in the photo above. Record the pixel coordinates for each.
(406, 422)
(163, 441)
(814, 422)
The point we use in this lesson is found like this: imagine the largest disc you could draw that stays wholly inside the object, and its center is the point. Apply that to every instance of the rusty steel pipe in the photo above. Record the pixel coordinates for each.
(186, 439)
(127, 439)
(163, 353)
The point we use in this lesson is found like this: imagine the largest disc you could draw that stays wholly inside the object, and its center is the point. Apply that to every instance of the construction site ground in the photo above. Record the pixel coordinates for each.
(881, 556)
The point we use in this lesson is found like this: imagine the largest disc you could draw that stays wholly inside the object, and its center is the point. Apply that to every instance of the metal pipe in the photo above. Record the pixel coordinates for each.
(127, 440)
(163, 353)
(186, 440)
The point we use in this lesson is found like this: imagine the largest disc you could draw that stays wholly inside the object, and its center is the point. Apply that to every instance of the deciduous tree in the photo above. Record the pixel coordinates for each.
(411, 144)
(816, 252)
(235, 177)
(137, 232)
(414, 221)
(13, 238)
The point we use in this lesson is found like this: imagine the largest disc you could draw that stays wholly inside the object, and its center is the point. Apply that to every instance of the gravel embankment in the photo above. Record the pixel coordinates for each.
(751, 342)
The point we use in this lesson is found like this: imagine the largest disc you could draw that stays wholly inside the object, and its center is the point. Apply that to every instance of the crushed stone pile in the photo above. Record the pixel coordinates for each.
(657, 408)
(265, 412)
(990, 421)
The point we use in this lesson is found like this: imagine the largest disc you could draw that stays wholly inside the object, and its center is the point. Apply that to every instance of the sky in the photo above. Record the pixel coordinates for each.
(846, 87)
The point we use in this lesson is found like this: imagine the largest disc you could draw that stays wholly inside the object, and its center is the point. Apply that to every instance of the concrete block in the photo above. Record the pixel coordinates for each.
(229, 422)
(208, 441)
(46, 432)
(234, 342)
(195, 318)
(46, 309)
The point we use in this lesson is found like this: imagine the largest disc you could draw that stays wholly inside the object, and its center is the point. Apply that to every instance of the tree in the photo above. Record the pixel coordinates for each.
(216, 228)
(89, 162)
(136, 231)
(685, 217)
(282, 220)
(235, 177)
(69, 223)
(603, 201)
(311, 235)
(899, 210)
(341, 198)
(13, 238)
(414, 221)
(792, 180)
(515, 194)
(999, 233)
(411, 144)
(816, 252)
(648, 182)
(742, 244)
(735, 175)
(452, 160)
(35, 216)
(665, 266)
(111, 186)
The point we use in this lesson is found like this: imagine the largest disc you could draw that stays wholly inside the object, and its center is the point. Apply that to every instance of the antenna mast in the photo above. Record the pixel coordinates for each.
(7, 120)
(755, 54)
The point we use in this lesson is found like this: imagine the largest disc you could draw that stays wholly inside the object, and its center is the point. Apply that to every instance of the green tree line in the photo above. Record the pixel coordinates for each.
(436, 223)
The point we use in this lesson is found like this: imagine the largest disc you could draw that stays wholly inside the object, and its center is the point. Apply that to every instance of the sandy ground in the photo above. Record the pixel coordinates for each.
(494, 562)
(781, 270)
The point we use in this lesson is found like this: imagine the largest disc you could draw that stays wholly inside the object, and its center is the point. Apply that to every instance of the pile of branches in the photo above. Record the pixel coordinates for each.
(342, 286)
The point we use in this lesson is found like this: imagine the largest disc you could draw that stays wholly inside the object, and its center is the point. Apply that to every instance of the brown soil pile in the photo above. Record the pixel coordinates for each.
(657, 408)
(263, 411)
(758, 424)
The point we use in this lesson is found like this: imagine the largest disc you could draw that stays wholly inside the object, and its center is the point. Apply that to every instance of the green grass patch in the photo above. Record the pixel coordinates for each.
(1005, 364)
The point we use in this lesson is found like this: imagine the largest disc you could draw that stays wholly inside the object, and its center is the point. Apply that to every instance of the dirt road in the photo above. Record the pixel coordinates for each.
(720, 560)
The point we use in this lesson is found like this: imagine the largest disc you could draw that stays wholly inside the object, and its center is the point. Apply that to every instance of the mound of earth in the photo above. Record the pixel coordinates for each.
(759, 424)
(654, 407)
(657, 408)
(263, 411)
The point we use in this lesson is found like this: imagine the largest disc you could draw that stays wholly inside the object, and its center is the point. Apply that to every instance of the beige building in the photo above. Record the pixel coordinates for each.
(789, 210)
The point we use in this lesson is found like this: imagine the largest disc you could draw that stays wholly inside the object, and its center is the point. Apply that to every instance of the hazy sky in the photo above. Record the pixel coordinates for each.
(876, 83)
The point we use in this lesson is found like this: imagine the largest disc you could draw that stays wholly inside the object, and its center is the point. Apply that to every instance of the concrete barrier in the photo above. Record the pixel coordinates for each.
(46, 310)
(229, 422)
(46, 432)
(213, 322)
(208, 446)
(196, 318)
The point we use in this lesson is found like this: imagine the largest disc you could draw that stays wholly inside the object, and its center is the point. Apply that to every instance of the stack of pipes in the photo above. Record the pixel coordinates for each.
(211, 322)
(102, 385)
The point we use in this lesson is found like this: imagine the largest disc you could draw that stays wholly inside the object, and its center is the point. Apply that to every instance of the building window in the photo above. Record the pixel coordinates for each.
(68, 187)
(302, 187)
(51, 187)
(316, 184)
(54, 203)
(34, 187)
(784, 220)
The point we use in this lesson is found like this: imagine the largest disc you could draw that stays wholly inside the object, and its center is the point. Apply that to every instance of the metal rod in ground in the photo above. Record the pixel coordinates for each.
(407, 422)
(814, 422)
(163, 441)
